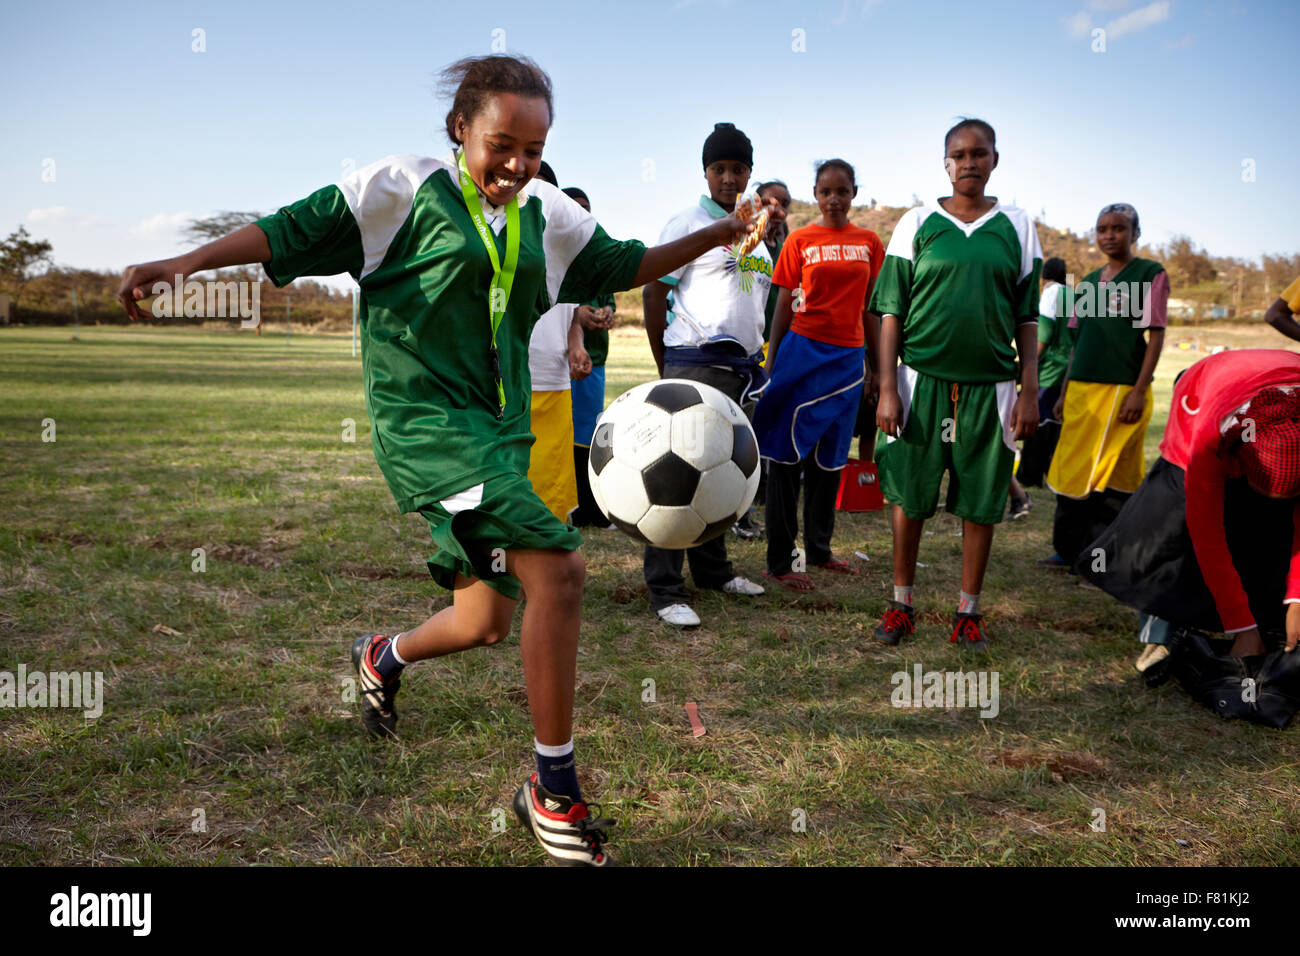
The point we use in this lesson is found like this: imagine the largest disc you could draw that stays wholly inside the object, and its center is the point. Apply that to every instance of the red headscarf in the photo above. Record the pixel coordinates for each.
(1272, 459)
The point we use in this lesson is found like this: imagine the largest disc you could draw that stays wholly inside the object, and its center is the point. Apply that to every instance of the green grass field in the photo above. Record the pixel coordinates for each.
(233, 741)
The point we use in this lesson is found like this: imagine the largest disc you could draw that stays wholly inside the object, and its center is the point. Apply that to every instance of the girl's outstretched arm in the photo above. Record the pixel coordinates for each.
(242, 247)
(658, 261)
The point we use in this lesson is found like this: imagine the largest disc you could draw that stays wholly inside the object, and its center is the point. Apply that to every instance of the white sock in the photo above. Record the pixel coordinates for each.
(549, 750)
(968, 603)
(903, 595)
(392, 647)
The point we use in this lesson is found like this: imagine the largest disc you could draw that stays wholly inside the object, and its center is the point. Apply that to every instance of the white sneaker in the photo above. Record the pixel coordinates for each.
(739, 585)
(1152, 654)
(679, 615)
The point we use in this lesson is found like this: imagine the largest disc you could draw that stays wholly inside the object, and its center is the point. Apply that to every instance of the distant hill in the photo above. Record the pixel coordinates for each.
(1204, 286)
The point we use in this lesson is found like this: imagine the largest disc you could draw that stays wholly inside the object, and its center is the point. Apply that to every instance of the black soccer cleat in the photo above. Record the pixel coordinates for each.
(564, 827)
(898, 621)
(968, 631)
(378, 711)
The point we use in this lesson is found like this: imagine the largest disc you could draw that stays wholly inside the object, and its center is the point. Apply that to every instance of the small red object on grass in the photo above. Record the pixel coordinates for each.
(693, 712)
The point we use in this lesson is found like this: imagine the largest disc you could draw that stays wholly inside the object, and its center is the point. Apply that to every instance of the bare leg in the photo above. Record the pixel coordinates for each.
(1017, 492)
(907, 543)
(977, 541)
(549, 637)
(478, 616)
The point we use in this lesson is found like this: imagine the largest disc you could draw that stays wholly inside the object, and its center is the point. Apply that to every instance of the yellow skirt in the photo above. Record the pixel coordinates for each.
(1097, 451)
(550, 469)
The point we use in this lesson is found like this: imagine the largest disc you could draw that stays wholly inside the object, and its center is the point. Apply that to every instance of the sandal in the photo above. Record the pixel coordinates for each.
(799, 583)
(838, 565)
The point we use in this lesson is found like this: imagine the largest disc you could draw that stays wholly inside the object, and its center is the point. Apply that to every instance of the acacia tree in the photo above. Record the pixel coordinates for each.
(217, 225)
(200, 231)
(21, 260)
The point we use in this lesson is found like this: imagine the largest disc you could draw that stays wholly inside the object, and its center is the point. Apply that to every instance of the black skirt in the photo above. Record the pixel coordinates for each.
(1146, 558)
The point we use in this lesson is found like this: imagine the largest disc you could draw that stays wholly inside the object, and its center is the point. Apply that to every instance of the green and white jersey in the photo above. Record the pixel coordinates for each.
(1054, 333)
(960, 289)
(401, 229)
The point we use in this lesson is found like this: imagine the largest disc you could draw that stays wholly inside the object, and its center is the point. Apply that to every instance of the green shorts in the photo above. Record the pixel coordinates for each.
(475, 528)
(959, 428)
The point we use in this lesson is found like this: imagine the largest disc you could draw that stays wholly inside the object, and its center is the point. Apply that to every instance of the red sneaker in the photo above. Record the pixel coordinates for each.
(968, 631)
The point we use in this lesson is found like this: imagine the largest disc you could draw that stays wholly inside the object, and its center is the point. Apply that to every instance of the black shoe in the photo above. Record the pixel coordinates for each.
(567, 832)
(1019, 508)
(968, 631)
(898, 620)
(747, 528)
(1153, 664)
(378, 712)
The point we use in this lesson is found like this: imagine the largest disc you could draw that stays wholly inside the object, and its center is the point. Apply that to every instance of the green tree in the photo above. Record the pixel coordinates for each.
(1187, 265)
(21, 260)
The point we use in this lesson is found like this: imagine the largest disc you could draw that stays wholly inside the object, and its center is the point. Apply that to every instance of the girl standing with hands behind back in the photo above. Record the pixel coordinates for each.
(1119, 318)
(818, 369)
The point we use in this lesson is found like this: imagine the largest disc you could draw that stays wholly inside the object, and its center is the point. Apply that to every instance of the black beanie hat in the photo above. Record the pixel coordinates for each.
(726, 142)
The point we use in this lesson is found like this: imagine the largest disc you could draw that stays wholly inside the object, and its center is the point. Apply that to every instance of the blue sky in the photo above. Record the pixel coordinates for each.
(139, 132)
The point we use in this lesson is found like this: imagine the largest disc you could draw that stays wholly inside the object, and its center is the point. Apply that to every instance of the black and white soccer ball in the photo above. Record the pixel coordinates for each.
(673, 463)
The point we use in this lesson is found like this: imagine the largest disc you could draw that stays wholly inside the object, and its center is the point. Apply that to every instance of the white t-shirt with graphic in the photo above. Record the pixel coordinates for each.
(714, 296)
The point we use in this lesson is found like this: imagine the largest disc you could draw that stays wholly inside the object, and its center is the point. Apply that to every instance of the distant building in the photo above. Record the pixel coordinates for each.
(1181, 309)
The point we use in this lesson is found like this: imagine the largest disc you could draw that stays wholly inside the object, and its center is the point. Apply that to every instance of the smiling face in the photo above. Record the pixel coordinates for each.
(1114, 235)
(834, 193)
(727, 180)
(969, 159)
(503, 143)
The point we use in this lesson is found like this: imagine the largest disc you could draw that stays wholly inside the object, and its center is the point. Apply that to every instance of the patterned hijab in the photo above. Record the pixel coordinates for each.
(1272, 459)
(1128, 212)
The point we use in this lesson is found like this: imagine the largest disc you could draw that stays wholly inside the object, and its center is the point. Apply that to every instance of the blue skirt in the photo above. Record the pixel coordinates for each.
(588, 403)
(811, 404)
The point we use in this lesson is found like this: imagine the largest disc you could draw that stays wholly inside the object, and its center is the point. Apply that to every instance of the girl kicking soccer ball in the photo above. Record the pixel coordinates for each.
(456, 259)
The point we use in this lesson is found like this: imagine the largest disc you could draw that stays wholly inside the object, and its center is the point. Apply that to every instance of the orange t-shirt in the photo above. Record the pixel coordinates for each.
(829, 271)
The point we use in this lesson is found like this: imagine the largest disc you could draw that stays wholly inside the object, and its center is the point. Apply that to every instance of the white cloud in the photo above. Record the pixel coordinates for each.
(1139, 19)
(63, 216)
(1184, 41)
(866, 5)
(1079, 25)
(163, 225)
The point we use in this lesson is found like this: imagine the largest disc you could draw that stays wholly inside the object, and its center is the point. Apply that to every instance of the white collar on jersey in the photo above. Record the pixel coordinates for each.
(968, 227)
(492, 212)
